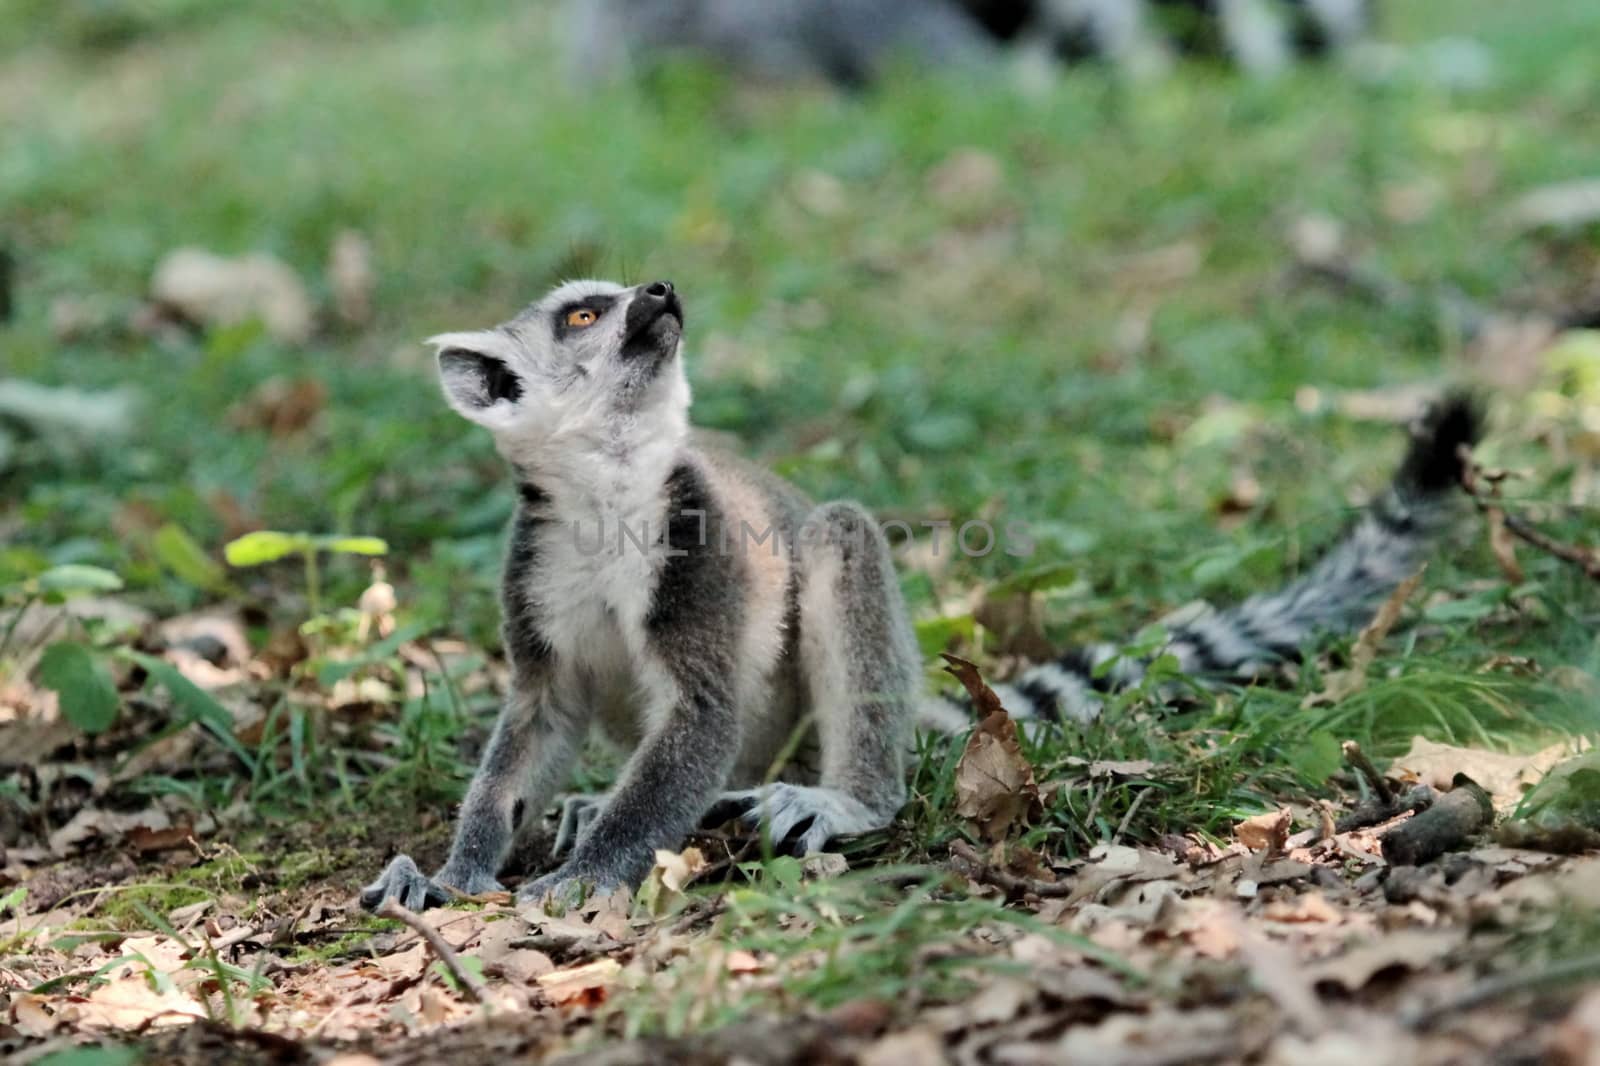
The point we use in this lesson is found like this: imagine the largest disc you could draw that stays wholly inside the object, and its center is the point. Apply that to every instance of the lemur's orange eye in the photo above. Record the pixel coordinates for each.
(582, 317)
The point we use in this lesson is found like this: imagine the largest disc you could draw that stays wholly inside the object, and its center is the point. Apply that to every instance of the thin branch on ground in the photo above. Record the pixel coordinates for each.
(1488, 500)
(974, 866)
(1127, 819)
(1360, 762)
(476, 990)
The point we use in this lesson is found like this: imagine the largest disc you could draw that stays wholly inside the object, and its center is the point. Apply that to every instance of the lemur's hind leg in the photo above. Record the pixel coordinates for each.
(861, 668)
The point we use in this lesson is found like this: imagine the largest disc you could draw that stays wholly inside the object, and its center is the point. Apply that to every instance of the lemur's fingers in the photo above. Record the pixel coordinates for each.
(403, 882)
(814, 839)
(577, 814)
(802, 815)
(731, 805)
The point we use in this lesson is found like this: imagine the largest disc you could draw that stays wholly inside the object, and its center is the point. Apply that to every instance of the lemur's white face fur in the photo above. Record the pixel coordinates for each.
(590, 371)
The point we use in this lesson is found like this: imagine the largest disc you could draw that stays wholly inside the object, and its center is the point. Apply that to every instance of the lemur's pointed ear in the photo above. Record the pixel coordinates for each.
(475, 371)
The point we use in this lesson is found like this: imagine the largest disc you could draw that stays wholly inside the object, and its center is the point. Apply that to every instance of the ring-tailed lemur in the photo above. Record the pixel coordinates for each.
(852, 42)
(703, 613)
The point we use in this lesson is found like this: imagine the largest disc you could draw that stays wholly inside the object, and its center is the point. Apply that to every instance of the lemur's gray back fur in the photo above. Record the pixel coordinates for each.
(1386, 544)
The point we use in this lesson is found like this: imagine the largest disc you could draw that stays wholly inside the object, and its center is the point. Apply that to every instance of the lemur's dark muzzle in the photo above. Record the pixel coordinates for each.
(649, 304)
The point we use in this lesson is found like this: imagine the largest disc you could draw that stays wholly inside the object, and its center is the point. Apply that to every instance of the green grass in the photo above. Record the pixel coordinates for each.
(933, 357)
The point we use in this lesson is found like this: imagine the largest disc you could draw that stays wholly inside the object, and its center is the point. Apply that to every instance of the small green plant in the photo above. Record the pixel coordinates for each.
(72, 669)
(269, 545)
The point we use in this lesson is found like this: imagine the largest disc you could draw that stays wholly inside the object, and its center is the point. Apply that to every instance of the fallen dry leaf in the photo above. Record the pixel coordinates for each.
(1276, 971)
(1410, 949)
(584, 985)
(1381, 1042)
(1112, 864)
(1206, 1034)
(662, 891)
(95, 823)
(995, 788)
(1504, 777)
(132, 999)
(519, 965)
(30, 1014)
(1267, 832)
(1309, 907)
(984, 700)
(741, 961)
(144, 839)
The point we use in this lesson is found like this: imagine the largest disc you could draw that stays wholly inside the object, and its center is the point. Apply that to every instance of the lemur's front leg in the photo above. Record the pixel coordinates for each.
(526, 760)
(691, 638)
(666, 786)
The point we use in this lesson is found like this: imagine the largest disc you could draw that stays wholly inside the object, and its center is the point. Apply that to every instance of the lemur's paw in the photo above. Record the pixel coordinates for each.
(468, 882)
(402, 882)
(566, 886)
(577, 814)
(803, 816)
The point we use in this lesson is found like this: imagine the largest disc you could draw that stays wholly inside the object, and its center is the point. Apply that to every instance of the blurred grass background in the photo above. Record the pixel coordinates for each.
(1069, 303)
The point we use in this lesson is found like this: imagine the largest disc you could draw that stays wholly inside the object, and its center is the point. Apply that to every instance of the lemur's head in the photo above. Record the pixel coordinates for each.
(590, 360)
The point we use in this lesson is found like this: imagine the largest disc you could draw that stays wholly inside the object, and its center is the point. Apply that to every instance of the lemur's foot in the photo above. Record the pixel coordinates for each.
(567, 886)
(577, 814)
(402, 882)
(804, 816)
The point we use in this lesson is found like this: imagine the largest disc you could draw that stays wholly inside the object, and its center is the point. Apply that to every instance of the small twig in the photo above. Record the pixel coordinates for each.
(476, 990)
(1095, 795)
(1376, 812)
(1133, 808)
(692, 916)
(1586, 559)
(746, 846)
(237, 935)
(1363, 765)
(979, 870)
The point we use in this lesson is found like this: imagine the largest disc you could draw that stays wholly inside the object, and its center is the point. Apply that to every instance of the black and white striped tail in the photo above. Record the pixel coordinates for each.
(1339, 594)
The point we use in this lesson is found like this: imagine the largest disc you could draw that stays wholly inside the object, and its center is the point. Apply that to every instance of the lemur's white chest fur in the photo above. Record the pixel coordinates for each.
(600, 558)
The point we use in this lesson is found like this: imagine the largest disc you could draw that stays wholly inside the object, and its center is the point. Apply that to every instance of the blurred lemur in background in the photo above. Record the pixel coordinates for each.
(711, 620)
(850, 42)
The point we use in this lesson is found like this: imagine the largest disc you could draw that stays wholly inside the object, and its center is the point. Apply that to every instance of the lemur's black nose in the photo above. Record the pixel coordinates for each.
(650, 304)
(658, 298)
